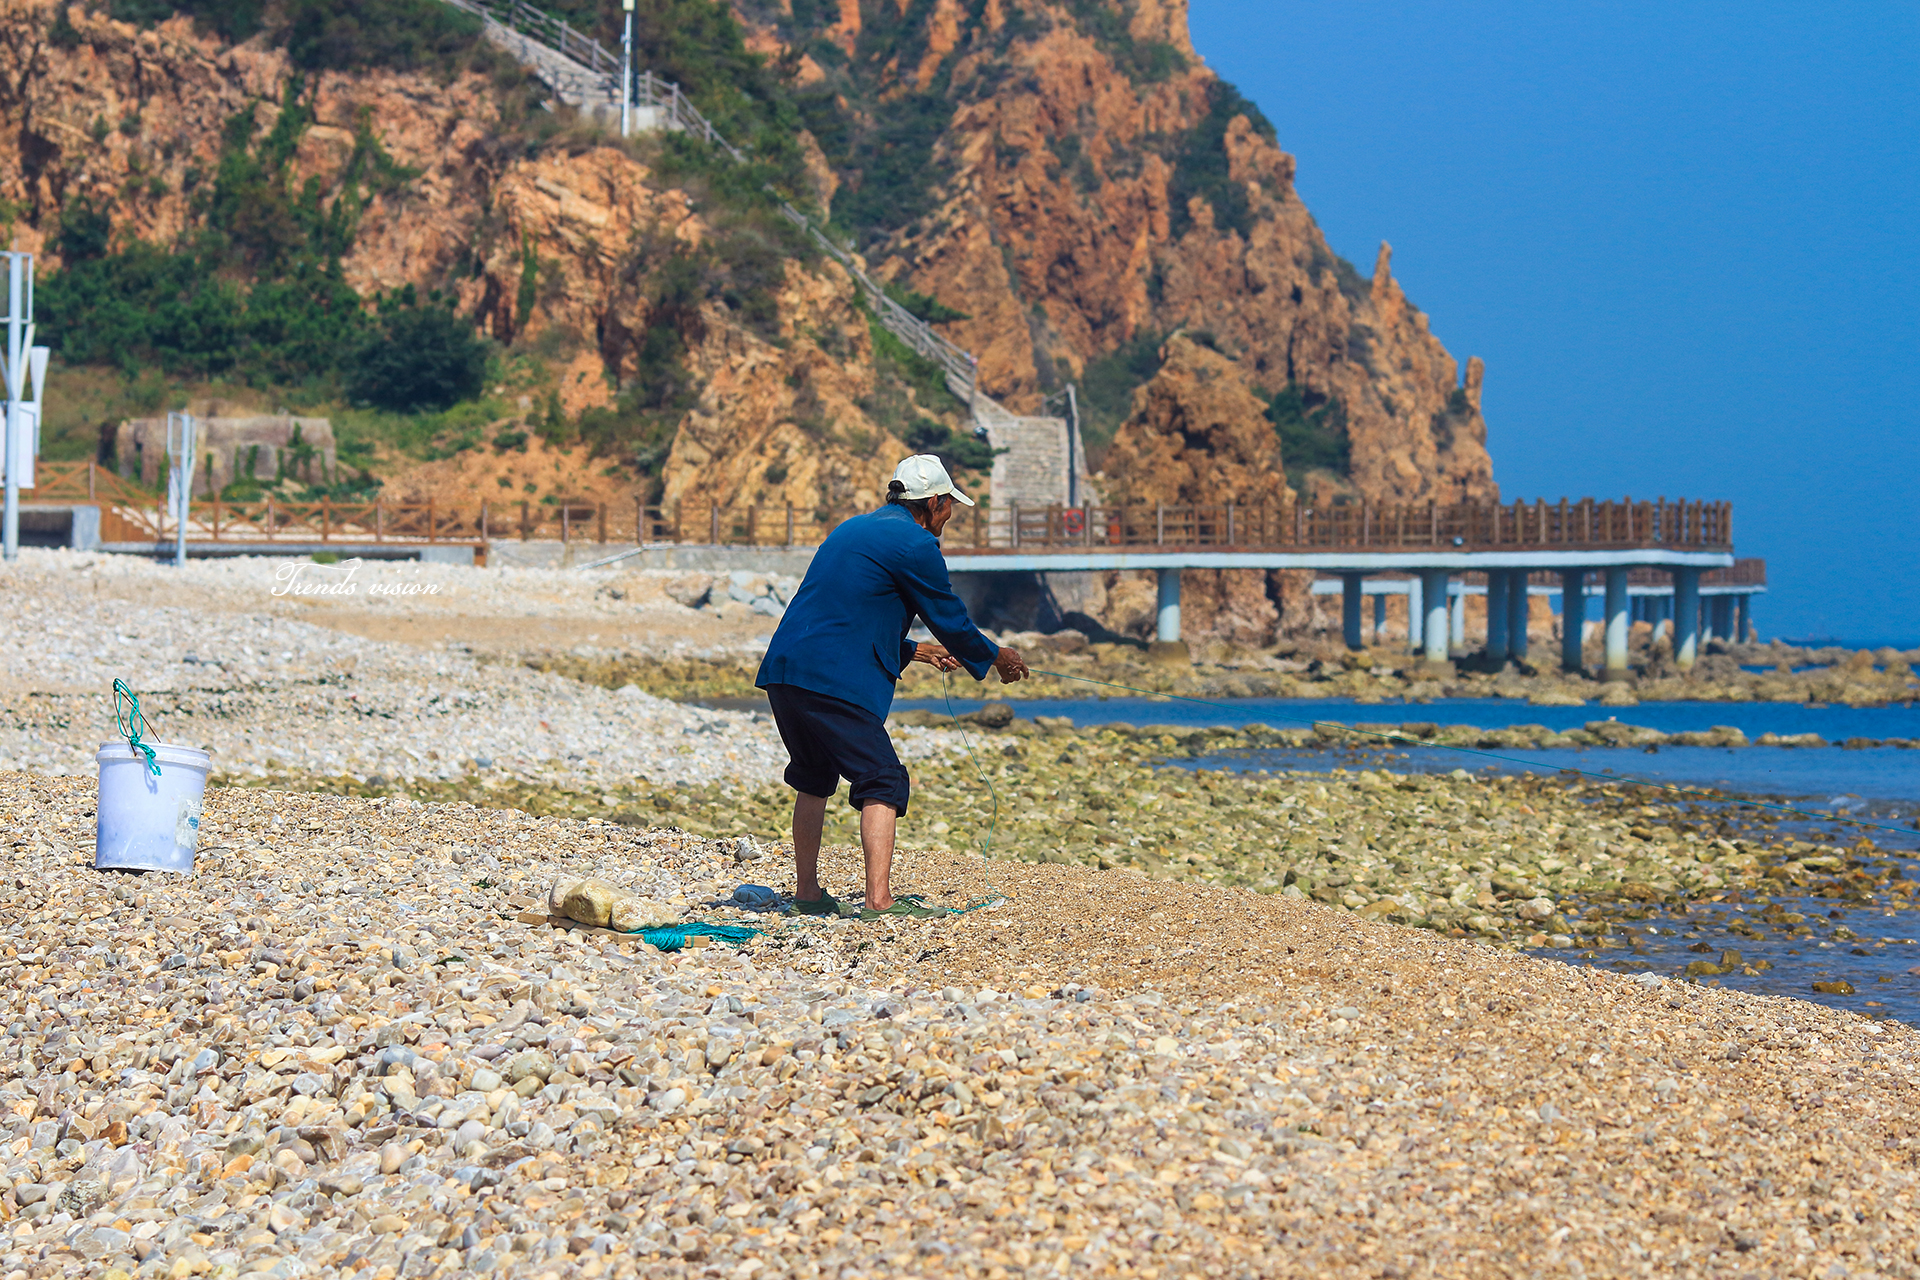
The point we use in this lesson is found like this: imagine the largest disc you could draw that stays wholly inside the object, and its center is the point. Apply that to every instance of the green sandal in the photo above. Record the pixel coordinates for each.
(910, 905)
(825, 905)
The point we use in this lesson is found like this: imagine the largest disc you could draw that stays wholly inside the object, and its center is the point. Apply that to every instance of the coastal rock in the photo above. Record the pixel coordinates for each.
(690, 589)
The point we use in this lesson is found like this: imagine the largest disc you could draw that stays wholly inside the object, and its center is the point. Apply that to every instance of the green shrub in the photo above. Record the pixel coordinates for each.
(1200, 166)
(417, 357)
(895, 182)
(1106, 390)
(924, 306)
(350, 35)
(1313, 434)
(1141, 61)
(331, 35)
(954, 449)
(255, 290)
(61, 33)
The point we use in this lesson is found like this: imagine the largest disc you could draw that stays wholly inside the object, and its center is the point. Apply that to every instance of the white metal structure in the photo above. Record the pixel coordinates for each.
(626, 72)
(180, 438)
(22, 421)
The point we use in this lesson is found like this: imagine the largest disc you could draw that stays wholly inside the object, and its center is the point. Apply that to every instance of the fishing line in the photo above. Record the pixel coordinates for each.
(1717, 796)
(993, 899)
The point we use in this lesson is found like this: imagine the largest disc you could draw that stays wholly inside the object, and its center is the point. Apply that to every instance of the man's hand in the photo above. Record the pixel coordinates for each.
(1010, 665)
(935, 656)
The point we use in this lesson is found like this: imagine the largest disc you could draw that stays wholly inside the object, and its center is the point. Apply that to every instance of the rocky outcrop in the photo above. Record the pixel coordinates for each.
(551, 247)
(786, 424)
(1096, 188)
(1196, 435)
(227, 449)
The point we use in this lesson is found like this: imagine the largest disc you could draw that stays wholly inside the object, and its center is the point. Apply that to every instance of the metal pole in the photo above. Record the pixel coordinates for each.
(16, 368)
(626, 71)
(180, 481)
(1073, 435)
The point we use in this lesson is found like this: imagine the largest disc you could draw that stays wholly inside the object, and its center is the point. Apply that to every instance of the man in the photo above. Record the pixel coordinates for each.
(835, 657)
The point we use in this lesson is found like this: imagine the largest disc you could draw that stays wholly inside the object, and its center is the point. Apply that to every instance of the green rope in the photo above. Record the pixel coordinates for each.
(1720, 796)
(992, 899)
(132, 722)
(672, 937)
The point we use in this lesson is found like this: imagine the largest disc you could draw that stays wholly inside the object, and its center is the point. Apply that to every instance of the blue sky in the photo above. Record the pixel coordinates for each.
(1683, 237)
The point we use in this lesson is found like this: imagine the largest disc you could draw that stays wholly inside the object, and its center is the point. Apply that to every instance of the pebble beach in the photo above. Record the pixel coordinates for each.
(356, 1043)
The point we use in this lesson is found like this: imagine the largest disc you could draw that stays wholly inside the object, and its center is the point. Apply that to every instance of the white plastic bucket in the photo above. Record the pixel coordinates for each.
(149, 823)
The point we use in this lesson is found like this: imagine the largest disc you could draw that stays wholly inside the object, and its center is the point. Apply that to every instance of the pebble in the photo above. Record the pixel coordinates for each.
(1163, 1065)
(1104, 1071)
(277, 699)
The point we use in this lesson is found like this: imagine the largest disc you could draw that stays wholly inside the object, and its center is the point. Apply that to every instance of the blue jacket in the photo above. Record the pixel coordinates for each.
(844, 632)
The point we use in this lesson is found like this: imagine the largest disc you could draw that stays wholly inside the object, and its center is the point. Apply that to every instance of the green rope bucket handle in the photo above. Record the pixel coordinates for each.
(132, 722)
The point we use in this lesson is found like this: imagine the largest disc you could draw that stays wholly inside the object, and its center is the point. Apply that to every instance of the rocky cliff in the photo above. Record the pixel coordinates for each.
(630, 309)
(1069, 191)
(1091, 188)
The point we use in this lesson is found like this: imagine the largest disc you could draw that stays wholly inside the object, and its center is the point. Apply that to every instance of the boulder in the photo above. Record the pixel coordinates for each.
(995, 715)
(691, 589)
(605, 905)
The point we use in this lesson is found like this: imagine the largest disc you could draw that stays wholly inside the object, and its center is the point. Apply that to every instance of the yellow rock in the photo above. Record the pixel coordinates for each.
(607, 906)
(633, 913)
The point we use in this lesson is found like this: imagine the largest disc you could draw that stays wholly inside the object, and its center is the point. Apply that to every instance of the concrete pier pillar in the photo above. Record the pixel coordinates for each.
(1742, 619)
(1686, 617)
(1457, 604)
(1379, 616)
(1497, 580)
(1619, 624)
(1573, 618)
(1167, 631)
(1352, 586)
(1519, 613)
(1434, 628)
(1722, 607)
(1415, 615)
(1167, 648)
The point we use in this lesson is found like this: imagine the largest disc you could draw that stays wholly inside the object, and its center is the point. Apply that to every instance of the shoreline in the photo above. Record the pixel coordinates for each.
(1859, 679)
(1520, 860)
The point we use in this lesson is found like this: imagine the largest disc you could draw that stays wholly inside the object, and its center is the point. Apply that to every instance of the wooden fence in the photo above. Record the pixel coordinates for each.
(129, 513)
(1358, 525)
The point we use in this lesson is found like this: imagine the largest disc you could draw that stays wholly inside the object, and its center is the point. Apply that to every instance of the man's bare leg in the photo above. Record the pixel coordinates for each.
(876, 841)
(809, 819)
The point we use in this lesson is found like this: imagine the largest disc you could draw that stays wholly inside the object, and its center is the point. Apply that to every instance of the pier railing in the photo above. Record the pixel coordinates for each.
(1358, 525)
(129, 513)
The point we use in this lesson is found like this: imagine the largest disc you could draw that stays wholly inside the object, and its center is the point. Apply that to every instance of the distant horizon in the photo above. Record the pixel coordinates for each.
(1680, 237)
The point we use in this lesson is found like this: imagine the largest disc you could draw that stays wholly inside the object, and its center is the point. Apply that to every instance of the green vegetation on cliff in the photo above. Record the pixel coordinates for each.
(255, 291)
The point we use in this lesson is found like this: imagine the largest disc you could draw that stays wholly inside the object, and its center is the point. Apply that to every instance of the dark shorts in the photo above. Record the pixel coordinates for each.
(829, 739)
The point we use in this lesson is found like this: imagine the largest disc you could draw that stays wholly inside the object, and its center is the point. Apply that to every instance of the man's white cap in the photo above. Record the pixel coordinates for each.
(924, 477)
